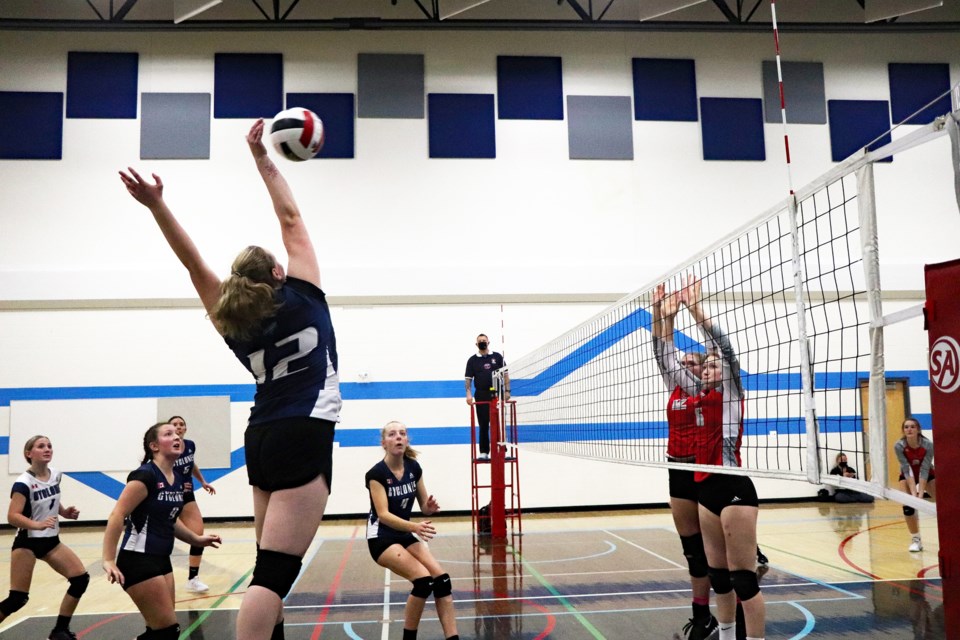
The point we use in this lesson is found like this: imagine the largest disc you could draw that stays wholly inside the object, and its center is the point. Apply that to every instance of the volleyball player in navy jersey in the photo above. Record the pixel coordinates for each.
(917, 476)
(147, 514)
(186, 466)
(728, 504)
(681, 447)
(394, 483)
(279, 327)
(35, 510)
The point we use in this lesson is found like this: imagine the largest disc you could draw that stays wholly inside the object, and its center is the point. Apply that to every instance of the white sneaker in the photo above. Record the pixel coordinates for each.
(483, 456)
(194, 584)
(916, 545)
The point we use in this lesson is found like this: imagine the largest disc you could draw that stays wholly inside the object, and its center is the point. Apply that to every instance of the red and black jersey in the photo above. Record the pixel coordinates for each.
(682, 423)
(916, 460)
(719, 416)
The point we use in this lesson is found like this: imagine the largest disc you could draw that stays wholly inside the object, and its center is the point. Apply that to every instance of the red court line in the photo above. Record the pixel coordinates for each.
(80, 634)
(318, 629)
(843, 555)
(551, 620)
(923, 575)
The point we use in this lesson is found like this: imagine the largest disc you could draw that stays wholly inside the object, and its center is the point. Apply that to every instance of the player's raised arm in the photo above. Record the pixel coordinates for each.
(302, 257)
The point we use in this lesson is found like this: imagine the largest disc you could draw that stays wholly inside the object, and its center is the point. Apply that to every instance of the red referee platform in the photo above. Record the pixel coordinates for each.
(496, 502)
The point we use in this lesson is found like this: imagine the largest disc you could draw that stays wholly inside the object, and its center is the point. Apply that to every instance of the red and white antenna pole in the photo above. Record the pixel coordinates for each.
(783, 101)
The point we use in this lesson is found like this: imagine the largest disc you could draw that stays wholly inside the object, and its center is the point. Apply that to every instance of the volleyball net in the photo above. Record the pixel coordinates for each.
(797, 292)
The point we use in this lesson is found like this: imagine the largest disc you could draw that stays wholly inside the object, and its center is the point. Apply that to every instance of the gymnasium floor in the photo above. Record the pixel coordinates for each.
(836, 571)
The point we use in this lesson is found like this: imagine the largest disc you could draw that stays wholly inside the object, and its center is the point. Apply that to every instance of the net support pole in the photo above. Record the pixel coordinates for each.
(806, 375)
(877, 385)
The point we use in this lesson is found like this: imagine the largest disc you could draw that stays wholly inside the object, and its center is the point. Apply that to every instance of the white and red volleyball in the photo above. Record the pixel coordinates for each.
(297, 134)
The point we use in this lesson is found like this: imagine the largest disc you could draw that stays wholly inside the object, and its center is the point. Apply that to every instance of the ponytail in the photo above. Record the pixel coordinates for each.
(248, 296)
(151, 436)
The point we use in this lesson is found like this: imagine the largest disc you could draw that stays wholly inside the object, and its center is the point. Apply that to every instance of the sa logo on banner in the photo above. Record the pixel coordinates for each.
(945, 364)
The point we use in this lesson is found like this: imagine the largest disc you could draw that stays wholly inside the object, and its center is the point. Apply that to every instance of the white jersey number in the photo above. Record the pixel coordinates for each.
(305, 341)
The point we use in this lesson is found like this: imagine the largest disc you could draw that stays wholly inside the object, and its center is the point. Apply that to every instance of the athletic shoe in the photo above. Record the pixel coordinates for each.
(761, 559)
(62, 634)
(762, 570)
(483, 456)
(916, 545)
(194, 584)
(698, 631)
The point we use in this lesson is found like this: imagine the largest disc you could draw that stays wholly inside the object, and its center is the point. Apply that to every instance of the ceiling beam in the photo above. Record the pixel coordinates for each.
(124, 10)
(580, 11)
(726, 11)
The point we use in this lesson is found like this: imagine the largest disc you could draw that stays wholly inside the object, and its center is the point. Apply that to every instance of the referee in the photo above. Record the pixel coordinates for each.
(480, 369)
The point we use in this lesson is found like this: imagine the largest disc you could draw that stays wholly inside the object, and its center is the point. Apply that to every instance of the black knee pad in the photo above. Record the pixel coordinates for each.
(196, 551)
(720, 581)
(78, 585)
(442, 586)
(277, 631)
(422, 587)
(276, 571)
(15, 601)
(908, 511)
(745, 584)
(695, 555)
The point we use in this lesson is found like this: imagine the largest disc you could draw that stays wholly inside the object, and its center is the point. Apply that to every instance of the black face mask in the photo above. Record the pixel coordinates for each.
(481, 345)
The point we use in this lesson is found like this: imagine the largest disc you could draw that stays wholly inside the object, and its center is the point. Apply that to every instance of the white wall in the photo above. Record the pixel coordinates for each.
(393, 223)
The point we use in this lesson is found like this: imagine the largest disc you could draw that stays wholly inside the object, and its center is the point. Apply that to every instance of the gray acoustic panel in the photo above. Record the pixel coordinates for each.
(390, 85)
(174, 126)
(600, 127)
(802, 90)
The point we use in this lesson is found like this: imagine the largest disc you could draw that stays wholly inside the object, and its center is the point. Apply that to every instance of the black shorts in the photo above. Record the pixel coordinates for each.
(39, 546)
(930, 476)
(289, 453)
(682, 485)
(719, 491)
(188, 495)
(378, 545)
(140, 567)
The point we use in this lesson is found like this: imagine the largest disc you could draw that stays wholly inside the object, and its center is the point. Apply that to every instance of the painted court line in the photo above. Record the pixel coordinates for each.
(318, 628)
(318, 542)
(385, 631)
(809, 624)
(655, 555)
(611, 549)
(206, 613)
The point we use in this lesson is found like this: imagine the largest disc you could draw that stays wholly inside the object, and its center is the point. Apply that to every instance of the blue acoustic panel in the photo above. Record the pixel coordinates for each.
(174, 126)
(461, 125)
(390, 85)
(912, 86)
(336, 110)
(600, 128)
(101, 85)
(664, 89)
(732, 129)
(247, 85)
(529, 88)
(31, 125)
(802, 89)
(855, 123)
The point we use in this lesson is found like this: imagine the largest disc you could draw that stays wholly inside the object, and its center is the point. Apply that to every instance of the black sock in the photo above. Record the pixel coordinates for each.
(455, 637)
(701, 612)
(277, 631)
(409, 634)
(63, 623)
(194, 572)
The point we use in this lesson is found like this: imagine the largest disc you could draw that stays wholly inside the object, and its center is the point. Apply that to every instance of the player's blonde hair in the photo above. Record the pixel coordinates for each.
(28, 445)
(409, 452)
(248, 295)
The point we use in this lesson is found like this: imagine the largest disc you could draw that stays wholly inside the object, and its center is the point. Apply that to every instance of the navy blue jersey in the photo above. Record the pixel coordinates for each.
(401, 495)
(184, 464)
(480, 369)
(149, 529)
(42, 500)
(294, 358)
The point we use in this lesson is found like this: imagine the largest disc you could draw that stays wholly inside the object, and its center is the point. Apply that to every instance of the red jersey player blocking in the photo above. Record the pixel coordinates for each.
(727, 503)
(915, 454)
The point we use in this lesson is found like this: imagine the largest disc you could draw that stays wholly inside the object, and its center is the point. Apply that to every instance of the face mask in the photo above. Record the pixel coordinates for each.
(482, 345)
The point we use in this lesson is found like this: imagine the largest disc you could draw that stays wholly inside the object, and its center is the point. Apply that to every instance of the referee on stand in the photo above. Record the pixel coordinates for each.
(480, 368)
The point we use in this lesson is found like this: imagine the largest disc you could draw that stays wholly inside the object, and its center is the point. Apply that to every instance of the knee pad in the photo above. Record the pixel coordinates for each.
(695, 555)
(78, 584)
(908, 511)
(720, 581)
(276, 571)
(422, 587)
(745, 584)
(15, 601)
(196, 551)
(442, 586)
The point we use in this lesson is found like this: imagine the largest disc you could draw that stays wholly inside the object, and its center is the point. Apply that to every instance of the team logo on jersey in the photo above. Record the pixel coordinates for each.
(411, 474)
(945, 364)
(159, 485)
(680, 404)
(389, 480)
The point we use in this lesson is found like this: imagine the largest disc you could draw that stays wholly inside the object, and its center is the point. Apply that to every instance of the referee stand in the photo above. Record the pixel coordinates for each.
(497, 501)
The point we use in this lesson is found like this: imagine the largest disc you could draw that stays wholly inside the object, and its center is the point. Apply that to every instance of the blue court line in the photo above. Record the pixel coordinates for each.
(303, 568)
(808, 627)
(613, 547)
(348, 629)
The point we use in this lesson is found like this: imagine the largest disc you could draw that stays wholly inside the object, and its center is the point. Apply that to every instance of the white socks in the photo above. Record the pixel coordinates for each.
(728, 630)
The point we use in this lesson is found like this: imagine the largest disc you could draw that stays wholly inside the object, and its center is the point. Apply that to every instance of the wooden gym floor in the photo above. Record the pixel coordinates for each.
(836, 571)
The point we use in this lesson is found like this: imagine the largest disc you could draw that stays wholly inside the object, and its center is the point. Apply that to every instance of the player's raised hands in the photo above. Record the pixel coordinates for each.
(142, 191)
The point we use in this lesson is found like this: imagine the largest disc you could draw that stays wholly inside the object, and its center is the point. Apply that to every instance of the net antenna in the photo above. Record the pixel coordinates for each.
(797, 292)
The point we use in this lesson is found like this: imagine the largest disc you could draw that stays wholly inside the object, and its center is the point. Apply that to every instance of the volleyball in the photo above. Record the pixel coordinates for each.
(297, 134)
